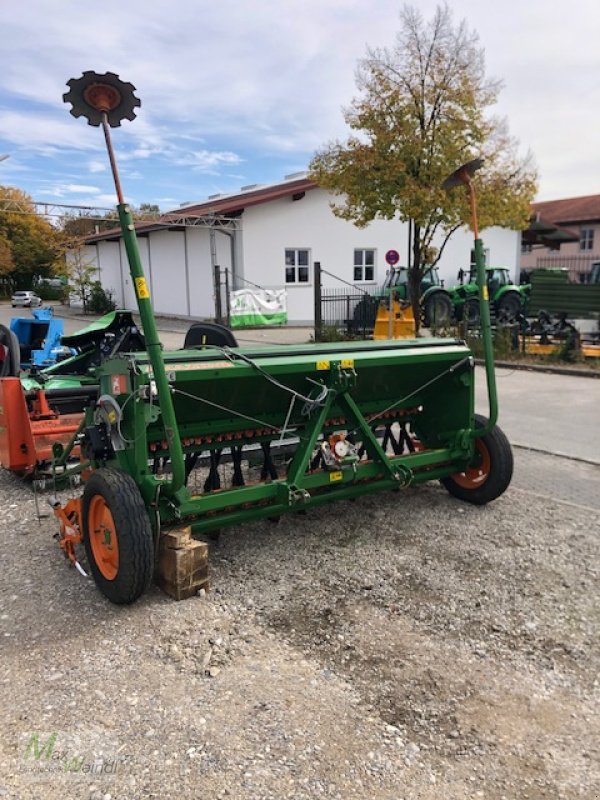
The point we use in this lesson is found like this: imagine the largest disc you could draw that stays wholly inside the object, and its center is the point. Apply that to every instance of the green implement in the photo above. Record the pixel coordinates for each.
(200, 439)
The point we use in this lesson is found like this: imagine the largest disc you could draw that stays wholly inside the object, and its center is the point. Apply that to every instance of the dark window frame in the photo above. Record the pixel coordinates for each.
(362, 272)
(296, 272)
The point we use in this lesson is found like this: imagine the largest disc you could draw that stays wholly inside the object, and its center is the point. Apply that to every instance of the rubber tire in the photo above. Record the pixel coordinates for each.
(365, 313)
(501, 469)
(134, 535)
(444, 305)
(471, 312)
(508, 308)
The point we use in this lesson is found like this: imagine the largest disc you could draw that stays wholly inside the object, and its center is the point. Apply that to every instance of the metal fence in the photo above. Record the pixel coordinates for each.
(346, 309)
(579, 266)
(352, 311)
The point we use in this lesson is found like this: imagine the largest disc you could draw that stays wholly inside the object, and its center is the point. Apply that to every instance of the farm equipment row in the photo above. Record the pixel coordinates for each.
(442, 306)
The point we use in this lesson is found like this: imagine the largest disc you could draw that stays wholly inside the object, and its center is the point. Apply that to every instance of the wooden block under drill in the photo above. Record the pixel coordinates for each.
(182, 568)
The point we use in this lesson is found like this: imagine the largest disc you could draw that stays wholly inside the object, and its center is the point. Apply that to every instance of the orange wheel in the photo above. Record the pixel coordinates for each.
(475, 476)
(103, 537)
(490, 472)
(117, 535)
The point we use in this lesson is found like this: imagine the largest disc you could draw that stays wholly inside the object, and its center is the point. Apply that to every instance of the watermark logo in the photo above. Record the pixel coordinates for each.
(42, 753)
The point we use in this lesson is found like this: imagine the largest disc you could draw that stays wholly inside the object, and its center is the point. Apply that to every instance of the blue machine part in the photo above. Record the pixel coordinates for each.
(39, 338)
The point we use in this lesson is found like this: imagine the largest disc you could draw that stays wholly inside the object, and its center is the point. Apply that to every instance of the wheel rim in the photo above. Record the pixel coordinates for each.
(474, 477)
(103, 537)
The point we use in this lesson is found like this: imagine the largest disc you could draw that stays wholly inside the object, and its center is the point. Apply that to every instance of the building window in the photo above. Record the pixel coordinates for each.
(586, 239)
(526, 247)
(364, 265)
(297, 268)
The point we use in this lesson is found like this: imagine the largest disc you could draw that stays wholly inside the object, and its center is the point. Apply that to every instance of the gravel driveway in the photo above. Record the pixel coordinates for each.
(395, 647)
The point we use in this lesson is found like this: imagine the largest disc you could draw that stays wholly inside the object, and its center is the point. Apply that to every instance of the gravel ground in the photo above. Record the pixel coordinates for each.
(394, 647)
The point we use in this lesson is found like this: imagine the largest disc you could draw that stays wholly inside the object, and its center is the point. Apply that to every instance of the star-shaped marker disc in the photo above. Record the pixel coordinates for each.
(93, 95)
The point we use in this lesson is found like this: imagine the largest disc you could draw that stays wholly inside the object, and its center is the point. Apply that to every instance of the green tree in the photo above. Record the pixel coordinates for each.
(80, 270)
(146, 211)
(83, 225)
(421, 113)
(6, 259)
(33, 243)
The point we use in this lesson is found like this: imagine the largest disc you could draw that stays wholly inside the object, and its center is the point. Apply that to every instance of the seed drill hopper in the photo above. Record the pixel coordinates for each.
(275, 430)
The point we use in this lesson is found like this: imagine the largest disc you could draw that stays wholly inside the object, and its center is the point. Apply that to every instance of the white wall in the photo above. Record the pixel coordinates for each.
(109, 275)
(266, 231)
(202, 302)
(166, 255)
(270, 228)
(177, 268)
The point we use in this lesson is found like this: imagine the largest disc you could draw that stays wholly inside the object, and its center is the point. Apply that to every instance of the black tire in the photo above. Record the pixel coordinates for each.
(437, 309)
(508, 308)
(365, 313)
(133, 535)
(471, 312)
(499, 474)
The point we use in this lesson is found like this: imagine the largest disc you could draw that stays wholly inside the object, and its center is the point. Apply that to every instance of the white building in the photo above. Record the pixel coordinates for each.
(269, 236)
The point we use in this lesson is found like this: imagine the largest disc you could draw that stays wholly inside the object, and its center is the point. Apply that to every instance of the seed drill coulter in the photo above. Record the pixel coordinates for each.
(296, 427)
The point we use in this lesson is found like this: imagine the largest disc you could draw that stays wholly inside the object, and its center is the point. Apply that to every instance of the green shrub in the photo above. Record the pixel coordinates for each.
(100, 300)
(329, 333)
(50, 292)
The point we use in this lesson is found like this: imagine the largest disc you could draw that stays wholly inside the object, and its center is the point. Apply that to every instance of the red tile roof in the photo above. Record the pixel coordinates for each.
(570, 210)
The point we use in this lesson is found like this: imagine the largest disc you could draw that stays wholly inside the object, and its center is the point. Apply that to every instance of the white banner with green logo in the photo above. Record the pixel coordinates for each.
(258, 307)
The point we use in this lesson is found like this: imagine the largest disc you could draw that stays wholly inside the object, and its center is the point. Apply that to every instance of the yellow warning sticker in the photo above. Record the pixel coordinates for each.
(348, 363)
(335, 476)
(323, 364)
(141, 288)
(486, 294)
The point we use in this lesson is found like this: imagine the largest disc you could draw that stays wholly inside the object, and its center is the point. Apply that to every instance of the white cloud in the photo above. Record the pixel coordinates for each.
(41, 132)
(62, 190)
(80, 188)
(97, 166)
(270, 77)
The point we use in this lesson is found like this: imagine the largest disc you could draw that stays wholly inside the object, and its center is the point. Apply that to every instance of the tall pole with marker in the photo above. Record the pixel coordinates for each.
(463, 177)
(105, 100)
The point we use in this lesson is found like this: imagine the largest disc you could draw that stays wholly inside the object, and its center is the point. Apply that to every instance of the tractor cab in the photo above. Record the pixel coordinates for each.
(398, 277)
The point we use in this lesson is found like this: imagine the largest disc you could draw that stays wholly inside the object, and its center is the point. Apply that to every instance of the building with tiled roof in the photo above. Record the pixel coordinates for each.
(575, 242)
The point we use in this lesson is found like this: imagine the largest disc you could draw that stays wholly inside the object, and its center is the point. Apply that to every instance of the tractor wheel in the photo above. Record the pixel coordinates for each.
(508, 308)
(365, 313)
(491, 472)
(117, 535)
(471, 312)
(437, 310)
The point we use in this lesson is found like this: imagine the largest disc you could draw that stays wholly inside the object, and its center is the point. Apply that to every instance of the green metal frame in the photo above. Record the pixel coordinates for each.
(364, 386)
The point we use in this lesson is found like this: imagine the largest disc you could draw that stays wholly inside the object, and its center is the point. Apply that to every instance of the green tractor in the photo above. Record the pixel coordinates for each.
(506, 298)
(436, 303)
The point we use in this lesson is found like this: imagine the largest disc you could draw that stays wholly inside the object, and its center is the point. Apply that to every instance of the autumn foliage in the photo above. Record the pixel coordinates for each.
(422, 111)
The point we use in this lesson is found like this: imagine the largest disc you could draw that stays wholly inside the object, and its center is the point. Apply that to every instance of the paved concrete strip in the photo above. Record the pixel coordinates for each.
(593, 461)
(557, 478)
(552, 413)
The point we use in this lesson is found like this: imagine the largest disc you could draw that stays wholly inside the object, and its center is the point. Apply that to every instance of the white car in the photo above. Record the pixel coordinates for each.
(28, 299)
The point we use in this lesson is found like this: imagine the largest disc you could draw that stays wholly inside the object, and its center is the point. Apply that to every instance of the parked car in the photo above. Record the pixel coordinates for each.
(28, 299)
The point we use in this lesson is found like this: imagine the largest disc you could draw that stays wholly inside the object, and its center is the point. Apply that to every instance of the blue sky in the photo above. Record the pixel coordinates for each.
(236, 93)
